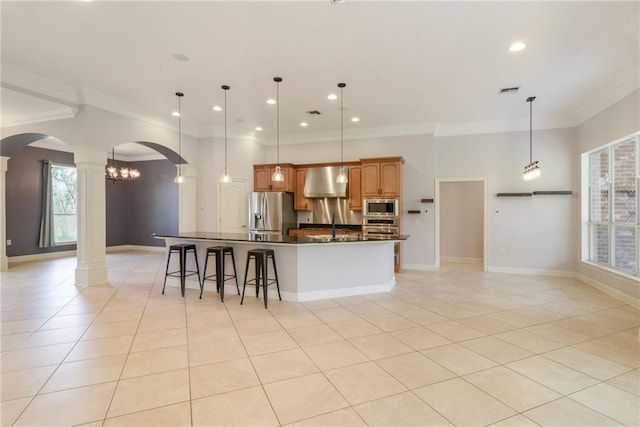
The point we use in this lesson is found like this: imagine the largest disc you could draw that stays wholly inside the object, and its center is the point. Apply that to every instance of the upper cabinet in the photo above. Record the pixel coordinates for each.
(382, 177)
(355, 188)
(300, 203)
(262, 178)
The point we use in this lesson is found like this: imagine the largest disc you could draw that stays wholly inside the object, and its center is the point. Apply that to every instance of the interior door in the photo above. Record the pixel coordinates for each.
(232, 206)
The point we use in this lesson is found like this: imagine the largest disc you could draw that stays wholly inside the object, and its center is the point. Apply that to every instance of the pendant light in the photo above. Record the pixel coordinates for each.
(532, 170)
(277, 174)
(226, 178)
(179, 179)
(125, 174)
(342, 176)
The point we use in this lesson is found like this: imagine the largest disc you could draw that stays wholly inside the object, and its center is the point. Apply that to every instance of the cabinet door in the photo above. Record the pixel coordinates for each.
(370, 179)
(300, 202)
(355, 188)
(390, 179)
(285, 185)
(261, 179)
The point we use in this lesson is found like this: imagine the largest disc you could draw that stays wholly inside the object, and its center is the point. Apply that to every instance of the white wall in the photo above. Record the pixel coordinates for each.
(461, 219)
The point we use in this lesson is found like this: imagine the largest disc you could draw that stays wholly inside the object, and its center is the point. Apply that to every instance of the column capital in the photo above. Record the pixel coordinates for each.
(4, 163)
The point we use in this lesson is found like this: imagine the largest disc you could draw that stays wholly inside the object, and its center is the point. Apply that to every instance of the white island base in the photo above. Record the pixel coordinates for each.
(306, 272)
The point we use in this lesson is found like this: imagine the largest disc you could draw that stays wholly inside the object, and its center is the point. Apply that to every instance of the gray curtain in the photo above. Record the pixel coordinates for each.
(46, 219)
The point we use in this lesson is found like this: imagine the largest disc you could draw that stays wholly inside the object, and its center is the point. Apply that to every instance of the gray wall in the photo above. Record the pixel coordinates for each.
(135, 210)
(461, 219)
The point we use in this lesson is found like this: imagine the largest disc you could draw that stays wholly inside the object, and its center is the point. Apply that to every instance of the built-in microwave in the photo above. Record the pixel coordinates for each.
(380, 207)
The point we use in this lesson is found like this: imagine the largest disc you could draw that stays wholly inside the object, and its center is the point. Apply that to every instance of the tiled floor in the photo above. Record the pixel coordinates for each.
(457, 346)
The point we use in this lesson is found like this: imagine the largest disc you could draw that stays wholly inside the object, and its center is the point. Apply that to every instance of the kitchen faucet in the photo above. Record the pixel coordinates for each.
(333, 226)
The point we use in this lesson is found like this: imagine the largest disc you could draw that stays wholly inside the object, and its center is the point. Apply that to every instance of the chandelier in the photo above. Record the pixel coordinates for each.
(124, 174)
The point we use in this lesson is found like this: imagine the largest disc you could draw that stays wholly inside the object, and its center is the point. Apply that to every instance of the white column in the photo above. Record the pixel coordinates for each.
(4, 261)
(187, 209)
(92, 224)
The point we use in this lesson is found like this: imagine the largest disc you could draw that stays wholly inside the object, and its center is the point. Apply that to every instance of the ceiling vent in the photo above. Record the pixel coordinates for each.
(507, 90)
(314, 113)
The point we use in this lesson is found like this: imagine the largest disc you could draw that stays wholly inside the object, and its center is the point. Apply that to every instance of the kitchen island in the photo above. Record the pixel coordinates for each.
(309, 267)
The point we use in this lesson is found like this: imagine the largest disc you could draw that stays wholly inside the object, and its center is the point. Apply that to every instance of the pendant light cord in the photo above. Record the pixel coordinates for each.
(179, 135)
(225, 129)
(341, 123)
(278, 120)
(531, 131)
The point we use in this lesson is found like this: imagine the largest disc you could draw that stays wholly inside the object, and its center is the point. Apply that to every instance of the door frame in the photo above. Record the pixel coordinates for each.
(219, 201)
(485, 232)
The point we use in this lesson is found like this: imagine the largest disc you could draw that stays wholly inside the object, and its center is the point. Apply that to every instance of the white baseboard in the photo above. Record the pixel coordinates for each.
(610, 291)
(121, 248)
(460, 259)
(41, 257)
(531, 271)
(423, 267)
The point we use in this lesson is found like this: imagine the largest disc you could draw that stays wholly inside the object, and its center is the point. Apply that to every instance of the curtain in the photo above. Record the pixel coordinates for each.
(46, 219)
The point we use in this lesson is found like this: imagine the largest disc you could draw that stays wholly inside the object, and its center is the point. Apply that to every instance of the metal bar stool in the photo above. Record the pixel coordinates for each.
(260, 257)
(181, 249)
(219, 276)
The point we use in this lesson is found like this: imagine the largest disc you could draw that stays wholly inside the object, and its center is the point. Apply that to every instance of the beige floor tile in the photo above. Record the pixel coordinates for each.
(380, 346)
(207, 333)
(69, 407)
(364, 382)
(628, 382)
(586, 363)
(335, 314)
(367, 309)
(529, 341)
(298, 320)
(612, 402)
(159, 339)
(496, 350)
(514, 318)
(154, 361)
(355, 328)
(283, 365)
(303, 397)
(613, 351)
(150, 324)
(35, 357)
(76, 320)
(403, 409)
(414, 370)
(567, 412)
(458, 359)
(343, 418)
(222, 377)
(424, 317)
(455, 331)
(53, 336)
(511, 388)
(486, 324)
(151, 391)
(516, 421)
(168, 416)
(420, 338)
(335, 355)
(463, 404)
(558, 333)
(314, 335)
(391, 322)
(243, 407)
(268, 343)
(10, 342)
(452, 312)
(101, 347)
(260, 326)
(21, 326)
(112, 329)
(551, 374)
(85, 372)
(24, 383)
(203, 352)
(10, 410)
(210, 317)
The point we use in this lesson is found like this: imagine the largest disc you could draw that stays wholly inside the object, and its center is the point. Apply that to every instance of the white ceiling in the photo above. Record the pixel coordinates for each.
(410, 67)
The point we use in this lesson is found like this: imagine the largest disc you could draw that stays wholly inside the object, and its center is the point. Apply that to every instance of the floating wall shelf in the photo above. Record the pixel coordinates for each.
(414, 211)
(537, 193)
(426, 200)
(514, 194)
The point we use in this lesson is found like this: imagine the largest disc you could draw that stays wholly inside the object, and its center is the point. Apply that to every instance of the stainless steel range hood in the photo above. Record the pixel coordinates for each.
(321, 182)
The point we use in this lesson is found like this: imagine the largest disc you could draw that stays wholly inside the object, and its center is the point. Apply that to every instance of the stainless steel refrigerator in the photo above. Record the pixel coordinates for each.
(271, 212)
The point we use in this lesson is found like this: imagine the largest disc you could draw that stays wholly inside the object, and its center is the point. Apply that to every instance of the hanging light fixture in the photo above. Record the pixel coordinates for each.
(226, 178)
(125, 174)
(342, 176)
(532, 170)
(277, 174)
(179, 179)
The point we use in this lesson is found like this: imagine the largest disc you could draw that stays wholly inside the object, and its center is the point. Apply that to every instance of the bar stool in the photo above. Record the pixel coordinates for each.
(260, 257)
(181, 249)
(219, 253)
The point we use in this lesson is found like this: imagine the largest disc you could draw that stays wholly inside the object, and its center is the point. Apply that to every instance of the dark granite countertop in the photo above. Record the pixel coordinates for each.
(277, 238)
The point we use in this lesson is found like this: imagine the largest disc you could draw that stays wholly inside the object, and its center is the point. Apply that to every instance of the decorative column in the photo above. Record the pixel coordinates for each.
(187, 191)
(92, 224)
(4, 261)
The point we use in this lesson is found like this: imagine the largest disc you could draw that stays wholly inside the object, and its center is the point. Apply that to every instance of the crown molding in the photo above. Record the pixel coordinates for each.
(362, 133)
(40, 87)
(235, 133)
(45, 116)
(501, 126)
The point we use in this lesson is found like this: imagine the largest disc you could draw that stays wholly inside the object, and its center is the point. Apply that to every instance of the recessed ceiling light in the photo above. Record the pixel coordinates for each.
(355, 119)
(304, 124)
(181, 57)
(258, 128)
(517, 47)
(175, 114)
(332, 97)
(271, 101)
(217, 108)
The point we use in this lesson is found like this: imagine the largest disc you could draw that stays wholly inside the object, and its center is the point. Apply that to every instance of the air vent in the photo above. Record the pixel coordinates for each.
(314, 113)
(511, 90)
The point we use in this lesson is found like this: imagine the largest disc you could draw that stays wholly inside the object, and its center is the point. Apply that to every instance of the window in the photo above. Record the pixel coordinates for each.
(64, 192)
(613, 206)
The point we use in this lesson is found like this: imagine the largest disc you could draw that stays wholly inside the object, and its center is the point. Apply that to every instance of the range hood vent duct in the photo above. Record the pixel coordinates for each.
(321, 182)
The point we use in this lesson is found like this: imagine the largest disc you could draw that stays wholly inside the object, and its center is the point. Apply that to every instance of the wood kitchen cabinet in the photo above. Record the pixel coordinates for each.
(262, 178)
(382, 177)
(355, 188)
(300, 202)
